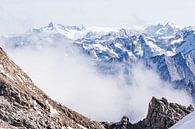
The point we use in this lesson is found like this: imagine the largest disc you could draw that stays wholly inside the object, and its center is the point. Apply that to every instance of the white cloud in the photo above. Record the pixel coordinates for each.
(70, 78)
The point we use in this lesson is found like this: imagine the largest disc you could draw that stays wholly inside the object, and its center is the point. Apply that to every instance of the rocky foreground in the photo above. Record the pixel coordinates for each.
(23, 105)
(161, 115)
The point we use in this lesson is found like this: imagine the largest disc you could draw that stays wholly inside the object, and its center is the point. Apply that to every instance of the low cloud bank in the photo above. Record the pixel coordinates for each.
(70, 78)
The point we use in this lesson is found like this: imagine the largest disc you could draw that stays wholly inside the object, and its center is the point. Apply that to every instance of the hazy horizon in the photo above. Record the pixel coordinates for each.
(20, 15)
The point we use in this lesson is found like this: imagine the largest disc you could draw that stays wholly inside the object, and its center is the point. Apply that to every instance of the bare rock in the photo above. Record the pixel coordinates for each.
(161, 115)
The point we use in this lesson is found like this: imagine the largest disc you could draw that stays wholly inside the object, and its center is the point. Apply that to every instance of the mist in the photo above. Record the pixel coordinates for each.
(70, 77)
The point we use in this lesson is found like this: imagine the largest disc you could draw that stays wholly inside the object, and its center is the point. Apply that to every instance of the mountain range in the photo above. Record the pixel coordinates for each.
(167, 48)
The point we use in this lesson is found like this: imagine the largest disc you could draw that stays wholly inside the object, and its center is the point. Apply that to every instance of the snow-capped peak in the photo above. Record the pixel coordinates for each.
(161, 39)
(162, 30)
(173, 25)
(54, 26)
(71, 32)
(51, 25)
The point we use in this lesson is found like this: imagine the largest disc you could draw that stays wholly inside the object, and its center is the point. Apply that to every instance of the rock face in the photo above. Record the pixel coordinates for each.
(23, 105)
(123, 124)
(161, 115)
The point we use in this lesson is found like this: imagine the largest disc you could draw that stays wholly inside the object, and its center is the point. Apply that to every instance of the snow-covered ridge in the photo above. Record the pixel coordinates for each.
(71, 32)
(105, 43)
(167, 39)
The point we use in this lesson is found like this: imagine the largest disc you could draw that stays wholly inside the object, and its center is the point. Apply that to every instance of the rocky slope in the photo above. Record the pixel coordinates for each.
(161, 115)
(23, 105)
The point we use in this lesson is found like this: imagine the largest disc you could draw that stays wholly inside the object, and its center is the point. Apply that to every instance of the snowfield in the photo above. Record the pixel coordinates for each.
(187, 122)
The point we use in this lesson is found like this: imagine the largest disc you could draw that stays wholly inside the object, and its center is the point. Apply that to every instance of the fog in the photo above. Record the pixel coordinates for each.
(70, 77)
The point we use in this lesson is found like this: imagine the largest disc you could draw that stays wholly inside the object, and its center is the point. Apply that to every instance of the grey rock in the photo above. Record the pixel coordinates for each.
(161, 115)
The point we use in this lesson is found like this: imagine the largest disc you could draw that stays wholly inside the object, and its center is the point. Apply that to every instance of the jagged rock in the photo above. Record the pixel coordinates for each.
(161, 115)
(123, 124)
(23, 105)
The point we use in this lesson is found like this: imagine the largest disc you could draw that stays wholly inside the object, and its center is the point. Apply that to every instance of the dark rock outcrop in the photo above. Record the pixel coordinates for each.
(123, 124)
(161, 115)
(23, 105)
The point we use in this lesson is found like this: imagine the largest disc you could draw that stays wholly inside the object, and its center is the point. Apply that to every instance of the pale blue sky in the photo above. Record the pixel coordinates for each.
(24, 14)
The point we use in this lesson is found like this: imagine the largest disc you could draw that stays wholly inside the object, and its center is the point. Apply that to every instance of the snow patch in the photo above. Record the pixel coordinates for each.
(53, 111)
(81, 126)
